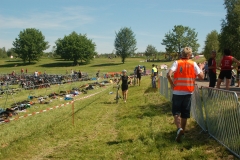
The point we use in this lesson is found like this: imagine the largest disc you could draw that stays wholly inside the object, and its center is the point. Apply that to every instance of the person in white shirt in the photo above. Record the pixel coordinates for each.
(184, 72)
(36, 74)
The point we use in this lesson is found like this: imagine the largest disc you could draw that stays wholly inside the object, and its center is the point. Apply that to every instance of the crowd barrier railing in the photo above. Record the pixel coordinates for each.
(197, 109)
(216, 111)
(222, 111)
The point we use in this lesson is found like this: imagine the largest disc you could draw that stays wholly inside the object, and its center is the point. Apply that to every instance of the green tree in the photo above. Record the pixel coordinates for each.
(211, 43)
(180, 37)
(230, 31)
(10, 52)
(30, 44)
(76, 47)
(125, 43)
(3, 53)
(151, 51)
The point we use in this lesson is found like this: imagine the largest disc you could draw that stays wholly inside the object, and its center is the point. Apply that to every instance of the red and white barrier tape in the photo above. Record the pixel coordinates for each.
(48, 109)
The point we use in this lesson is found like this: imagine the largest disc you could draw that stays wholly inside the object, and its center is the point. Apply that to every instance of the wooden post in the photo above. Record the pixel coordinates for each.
(73, 113)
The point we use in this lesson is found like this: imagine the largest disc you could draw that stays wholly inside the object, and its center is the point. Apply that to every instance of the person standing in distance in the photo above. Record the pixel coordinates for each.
(80, 75)
(139, 75)
(212, 69)
(124, 78)
(184, 73)
(21, 71)
(154, 76)
(226, 68)
(98, 74)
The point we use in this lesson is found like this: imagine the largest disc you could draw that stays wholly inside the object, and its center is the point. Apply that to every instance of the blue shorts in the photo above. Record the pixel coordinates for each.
(181, 105)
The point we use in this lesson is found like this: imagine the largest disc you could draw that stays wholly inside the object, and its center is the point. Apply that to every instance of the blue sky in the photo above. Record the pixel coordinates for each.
(150, 20)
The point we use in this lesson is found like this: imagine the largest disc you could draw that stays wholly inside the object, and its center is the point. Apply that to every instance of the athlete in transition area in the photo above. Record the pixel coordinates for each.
(226, 68)
(124, 78)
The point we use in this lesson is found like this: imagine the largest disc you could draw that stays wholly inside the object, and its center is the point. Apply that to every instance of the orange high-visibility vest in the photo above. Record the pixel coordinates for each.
(184, 76)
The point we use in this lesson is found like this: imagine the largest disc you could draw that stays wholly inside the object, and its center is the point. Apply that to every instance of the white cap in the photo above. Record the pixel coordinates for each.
(124, 71)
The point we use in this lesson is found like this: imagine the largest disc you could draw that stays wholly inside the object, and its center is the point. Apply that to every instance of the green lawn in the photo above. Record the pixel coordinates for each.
(53, 66)
(142, 128)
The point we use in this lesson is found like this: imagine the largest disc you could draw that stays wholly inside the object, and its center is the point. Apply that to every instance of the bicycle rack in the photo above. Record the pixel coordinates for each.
(48, 89)
(7, 92)
(32, 91)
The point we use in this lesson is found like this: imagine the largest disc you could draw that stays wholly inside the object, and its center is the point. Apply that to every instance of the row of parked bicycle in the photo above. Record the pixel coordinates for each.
(43, 80)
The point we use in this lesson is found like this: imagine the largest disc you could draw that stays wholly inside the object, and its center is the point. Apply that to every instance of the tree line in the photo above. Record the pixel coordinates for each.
(30, 43)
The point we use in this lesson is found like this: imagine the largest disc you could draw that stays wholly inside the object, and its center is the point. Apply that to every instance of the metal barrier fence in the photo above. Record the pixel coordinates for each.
(223, 117)
(197, 108)
(216, 111)
(164, 87)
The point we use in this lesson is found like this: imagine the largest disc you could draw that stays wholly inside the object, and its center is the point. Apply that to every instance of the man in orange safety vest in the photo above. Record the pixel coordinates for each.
(184, 73)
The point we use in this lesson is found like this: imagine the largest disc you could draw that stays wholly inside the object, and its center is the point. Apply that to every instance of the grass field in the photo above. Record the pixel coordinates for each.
(142, 128)
(53, 66)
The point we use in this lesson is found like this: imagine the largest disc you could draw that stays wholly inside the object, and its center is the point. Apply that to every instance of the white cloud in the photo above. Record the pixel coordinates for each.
(64, 18)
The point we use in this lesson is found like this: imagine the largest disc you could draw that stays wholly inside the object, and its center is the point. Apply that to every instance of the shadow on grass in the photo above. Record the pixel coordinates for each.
(61, 60)
(194, 138)
(13, 61)
(165, 140)
(106, 64)
(108, 102)
(16, 64)
(160, 60)
(61, 64)
(117, 142)
(155, 110)
(57, 64)
(150, 90)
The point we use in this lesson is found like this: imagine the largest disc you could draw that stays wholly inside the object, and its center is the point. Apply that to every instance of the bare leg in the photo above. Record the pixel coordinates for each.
(177, 121)
(183, 123)
(227, 84)
(123, 95)
(219, 81)
(126, 92)
(139, 81)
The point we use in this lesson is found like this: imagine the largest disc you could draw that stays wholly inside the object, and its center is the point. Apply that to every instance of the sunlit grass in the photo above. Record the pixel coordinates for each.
(142, 128)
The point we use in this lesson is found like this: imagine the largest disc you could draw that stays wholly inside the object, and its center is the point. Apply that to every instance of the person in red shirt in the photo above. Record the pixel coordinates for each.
(226, 68)
(21, 71)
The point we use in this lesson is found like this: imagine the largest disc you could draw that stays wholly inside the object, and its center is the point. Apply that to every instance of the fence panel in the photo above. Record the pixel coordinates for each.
(164, 90)
(197, 108)
(223, 117)
(161, 85)
(165, 86)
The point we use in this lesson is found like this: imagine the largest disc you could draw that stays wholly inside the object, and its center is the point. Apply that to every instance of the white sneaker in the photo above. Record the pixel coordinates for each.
(179, 134)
